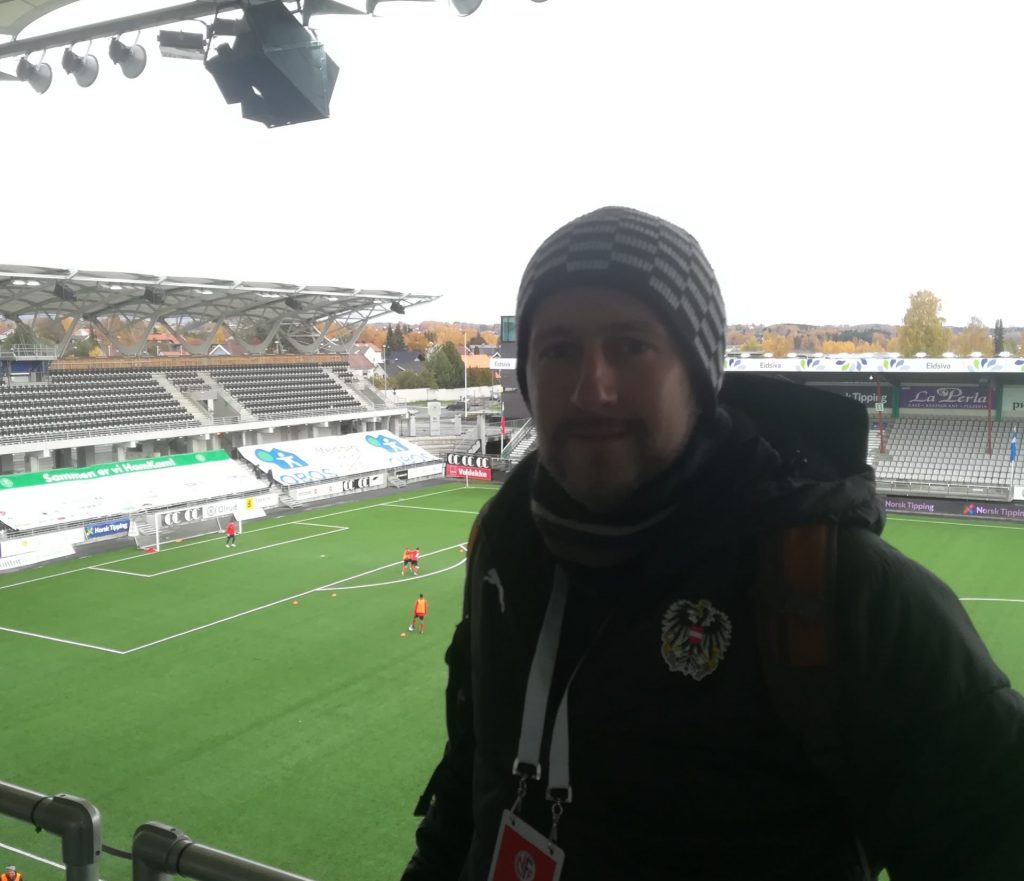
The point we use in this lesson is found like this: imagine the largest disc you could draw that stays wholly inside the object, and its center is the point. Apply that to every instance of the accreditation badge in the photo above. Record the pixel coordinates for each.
(521, 853)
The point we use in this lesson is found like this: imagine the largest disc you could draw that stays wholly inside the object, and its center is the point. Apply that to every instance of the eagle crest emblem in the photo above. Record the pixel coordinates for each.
(694, 638)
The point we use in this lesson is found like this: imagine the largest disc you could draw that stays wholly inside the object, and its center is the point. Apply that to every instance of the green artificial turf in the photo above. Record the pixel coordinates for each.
(297, 735)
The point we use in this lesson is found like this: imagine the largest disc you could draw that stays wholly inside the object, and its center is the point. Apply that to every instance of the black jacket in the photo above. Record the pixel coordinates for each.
(675, 777)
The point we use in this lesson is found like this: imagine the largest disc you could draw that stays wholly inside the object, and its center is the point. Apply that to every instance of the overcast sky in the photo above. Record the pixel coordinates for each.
(831, 158)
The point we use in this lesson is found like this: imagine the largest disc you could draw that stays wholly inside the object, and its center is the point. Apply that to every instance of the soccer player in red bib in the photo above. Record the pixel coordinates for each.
(230, 533)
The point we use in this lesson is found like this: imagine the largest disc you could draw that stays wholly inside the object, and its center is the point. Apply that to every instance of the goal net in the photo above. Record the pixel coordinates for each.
(154, 529)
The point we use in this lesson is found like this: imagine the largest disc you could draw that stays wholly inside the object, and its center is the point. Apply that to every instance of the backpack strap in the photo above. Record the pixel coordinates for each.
(798, 646)
(796, 621)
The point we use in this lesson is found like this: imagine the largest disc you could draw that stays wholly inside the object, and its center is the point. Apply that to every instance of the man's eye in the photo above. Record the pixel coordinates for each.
(555, 350)
(632, 346)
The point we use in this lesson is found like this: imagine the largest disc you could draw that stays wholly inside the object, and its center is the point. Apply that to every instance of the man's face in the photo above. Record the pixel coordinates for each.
(609, 392)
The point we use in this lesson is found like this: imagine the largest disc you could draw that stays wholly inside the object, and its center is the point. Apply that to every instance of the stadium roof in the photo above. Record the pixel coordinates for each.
(18, 14)
(125, 307)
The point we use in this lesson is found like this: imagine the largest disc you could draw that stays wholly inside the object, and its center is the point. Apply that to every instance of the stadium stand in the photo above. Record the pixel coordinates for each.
(88, 402)
(947, 451)
(269, 390)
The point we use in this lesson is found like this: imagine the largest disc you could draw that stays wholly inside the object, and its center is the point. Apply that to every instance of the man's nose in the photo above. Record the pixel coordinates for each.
(597, 381)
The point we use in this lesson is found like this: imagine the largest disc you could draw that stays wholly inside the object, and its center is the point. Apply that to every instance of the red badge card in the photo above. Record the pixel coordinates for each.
(521, 853)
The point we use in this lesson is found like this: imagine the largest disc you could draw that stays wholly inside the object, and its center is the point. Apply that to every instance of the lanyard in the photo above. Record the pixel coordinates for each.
(538, 688)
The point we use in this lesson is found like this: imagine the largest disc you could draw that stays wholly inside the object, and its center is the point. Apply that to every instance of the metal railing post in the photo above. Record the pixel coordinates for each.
(74, 820)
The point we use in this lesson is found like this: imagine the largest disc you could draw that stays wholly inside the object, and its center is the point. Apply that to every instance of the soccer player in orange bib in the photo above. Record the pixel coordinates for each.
(411, 559)
(419, 613)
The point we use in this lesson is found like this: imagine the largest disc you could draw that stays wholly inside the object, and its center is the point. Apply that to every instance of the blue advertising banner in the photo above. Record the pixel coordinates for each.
(107, 529)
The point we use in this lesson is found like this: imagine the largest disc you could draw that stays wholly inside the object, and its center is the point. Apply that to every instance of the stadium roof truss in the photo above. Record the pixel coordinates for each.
(124, 308)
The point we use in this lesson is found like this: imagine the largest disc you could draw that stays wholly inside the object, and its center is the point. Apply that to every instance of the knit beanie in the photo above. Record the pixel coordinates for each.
(639, 254)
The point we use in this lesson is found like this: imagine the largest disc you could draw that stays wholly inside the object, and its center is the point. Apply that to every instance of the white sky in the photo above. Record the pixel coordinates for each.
(831, 158)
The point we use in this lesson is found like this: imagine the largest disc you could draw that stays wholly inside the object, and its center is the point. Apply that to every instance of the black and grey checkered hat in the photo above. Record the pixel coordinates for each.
(643, 255)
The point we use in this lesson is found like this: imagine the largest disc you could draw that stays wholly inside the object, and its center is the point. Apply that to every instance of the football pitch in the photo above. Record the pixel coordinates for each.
(264, 700)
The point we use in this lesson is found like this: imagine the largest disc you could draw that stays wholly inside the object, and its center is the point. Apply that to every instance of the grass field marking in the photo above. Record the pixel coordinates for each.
(218, 537)
(422, 508)
(989, 600)
(271, 604)
(334, 584)
(276, 544)
(33, 856)
(118, 571)
(942, 521)
(43, 636)
(402, 580)
(321, 525)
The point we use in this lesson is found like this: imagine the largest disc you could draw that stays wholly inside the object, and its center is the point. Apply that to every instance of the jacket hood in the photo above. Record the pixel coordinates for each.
(805, 452)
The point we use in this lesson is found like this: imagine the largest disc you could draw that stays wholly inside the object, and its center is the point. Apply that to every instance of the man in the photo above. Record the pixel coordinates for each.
(612, 703)
(411, 559)
(12, 874)
(419, 614)
(230, 533)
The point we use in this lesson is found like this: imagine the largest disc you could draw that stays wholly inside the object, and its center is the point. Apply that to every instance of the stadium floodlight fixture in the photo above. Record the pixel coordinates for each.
(84, 68)
(131, 59)
(397, 307)
(63, 291)
(182, 44)
(38, 76)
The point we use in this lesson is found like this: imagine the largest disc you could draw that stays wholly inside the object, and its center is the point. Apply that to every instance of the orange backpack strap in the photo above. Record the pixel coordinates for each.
(796, 616)
(797, 621)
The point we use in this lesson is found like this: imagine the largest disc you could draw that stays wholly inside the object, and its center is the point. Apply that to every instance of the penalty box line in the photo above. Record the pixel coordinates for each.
(278, 602)
(234, 556)
(217, 538)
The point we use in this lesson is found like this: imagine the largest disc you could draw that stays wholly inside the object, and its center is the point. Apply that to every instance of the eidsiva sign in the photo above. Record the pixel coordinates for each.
(293, 463)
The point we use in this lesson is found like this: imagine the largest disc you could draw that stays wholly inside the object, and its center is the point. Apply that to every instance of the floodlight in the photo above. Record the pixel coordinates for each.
(84, 68)
(131, 59)
(38, 76)
(65, 292)
(154, 296)
(276, 70)
(466, 7)
(182, 44)
(397, 307)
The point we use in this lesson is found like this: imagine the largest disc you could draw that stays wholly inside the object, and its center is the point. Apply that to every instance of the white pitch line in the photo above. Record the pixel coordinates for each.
(84, 645)
(988, 600)
(193, 543)
(415, 579)
(939, 520)
(422, 508)
(320, 525)
(117, 571)
(276, 544)
(269, 605)
(31, 856)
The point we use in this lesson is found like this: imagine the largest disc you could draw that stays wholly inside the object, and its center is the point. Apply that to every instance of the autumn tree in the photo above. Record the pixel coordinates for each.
(973, 338)
(416, 341)
(374, 334)
(923, 327)
(776, 344)
(998, 337)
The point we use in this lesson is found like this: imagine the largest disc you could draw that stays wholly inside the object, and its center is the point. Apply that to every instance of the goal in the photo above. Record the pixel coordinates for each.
(153, 529)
